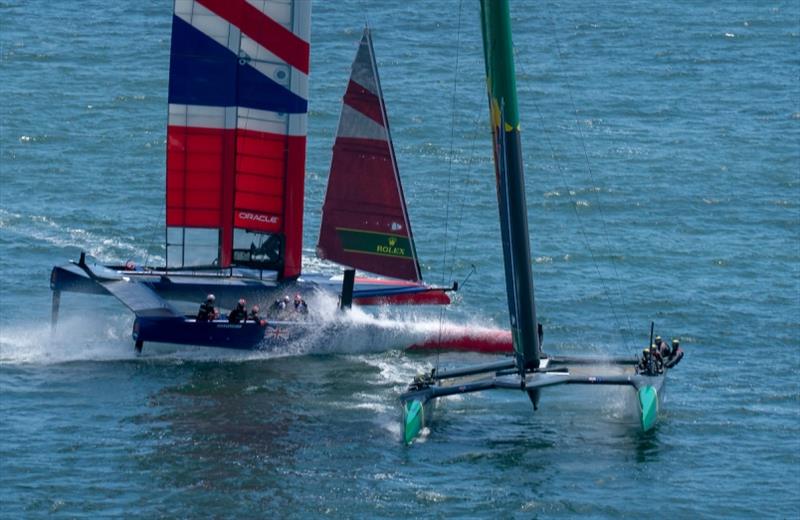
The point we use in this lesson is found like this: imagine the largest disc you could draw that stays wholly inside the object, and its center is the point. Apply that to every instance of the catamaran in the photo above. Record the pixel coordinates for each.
(530, 369)
(236, 139)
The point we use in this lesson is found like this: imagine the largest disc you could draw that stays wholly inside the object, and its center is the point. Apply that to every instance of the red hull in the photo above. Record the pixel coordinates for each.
(470, 340)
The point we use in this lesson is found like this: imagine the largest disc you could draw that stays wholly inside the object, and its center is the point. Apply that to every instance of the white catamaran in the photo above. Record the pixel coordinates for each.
(530, 369)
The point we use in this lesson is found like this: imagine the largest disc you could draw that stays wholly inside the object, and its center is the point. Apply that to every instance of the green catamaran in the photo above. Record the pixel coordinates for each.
(530, 370)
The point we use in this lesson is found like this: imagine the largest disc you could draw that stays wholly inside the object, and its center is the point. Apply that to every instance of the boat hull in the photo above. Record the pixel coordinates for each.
(486, 341)
(418, 401)
(194, 286)
(651, 397)
(245, 336)
(150, 295)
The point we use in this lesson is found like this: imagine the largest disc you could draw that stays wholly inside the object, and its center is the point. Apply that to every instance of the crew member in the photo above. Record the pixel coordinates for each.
(676, 355)
(658, 361)
(254, 314)
(300, 304)
(645, 360)
(207, 311)
(281, 304)
(239, 313)
(662, 347)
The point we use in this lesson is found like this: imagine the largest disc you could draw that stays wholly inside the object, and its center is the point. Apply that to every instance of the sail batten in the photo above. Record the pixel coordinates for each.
(236, 133)
(364, 218)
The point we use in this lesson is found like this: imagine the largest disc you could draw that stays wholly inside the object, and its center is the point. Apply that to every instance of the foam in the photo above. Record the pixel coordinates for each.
(357, 332)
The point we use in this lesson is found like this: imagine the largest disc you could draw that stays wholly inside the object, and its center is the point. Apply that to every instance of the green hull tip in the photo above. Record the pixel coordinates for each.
(413, 421)
(648, 399)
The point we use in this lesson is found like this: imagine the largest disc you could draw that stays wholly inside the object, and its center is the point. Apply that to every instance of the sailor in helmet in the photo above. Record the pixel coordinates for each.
(239, 313)
(279, 306)
(676, 355)
(300, 304)
(644, 360)
(254, 316)
(207, 311)
(662, 347)
(658, 361)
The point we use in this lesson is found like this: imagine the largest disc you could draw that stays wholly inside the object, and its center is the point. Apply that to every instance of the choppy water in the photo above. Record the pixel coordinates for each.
(689, 118)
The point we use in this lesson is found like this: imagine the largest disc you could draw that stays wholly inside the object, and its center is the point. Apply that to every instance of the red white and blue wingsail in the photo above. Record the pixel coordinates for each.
(238, 102)
(364, 219)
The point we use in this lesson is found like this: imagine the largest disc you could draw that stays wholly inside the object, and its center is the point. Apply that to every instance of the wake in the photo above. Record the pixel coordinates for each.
(108, 338)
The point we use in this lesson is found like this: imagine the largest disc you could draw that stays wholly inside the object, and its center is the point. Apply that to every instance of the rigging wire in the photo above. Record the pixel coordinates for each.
(450, 170)
(458, 227)
(452, 139)
(591, 176)
(155, 234)
(581, 226)
(470, 165)
(574, 205)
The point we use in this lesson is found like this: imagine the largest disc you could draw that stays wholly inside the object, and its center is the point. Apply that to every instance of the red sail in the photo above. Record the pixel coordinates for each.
(236, 139)
(364, 219)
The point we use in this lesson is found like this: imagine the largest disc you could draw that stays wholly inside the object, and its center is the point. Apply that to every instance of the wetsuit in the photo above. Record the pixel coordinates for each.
(663, 349)
(206, 312)
(277, 309)
(237, 315)
(674, 358)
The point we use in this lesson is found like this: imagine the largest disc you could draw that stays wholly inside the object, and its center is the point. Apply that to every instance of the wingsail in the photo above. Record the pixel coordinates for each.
(236, 136)
(502, 92)
(364, 218)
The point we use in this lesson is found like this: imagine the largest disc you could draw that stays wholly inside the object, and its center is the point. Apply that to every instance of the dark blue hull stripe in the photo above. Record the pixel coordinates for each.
(203, 72)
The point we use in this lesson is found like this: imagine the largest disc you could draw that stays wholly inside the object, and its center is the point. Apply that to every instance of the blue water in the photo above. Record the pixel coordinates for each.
(662, 154)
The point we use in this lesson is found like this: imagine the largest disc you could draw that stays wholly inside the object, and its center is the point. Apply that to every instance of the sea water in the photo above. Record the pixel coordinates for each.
(662, 156)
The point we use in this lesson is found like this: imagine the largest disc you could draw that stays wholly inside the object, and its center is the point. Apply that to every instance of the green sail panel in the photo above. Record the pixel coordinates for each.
(371, 243)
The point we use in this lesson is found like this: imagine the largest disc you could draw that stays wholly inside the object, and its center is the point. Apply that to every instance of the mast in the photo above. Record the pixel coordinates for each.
(504, 113)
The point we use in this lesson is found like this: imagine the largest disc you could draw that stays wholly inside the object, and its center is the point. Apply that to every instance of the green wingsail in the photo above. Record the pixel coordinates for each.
(498, 50)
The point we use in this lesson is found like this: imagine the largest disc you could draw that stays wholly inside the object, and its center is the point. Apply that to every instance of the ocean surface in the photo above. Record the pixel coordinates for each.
(662, 156)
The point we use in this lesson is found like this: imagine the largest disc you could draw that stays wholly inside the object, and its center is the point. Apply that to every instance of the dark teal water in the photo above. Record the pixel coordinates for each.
(662, 153)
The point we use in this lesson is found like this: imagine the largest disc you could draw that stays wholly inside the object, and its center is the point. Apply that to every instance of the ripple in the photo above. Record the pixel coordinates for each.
(685, 116)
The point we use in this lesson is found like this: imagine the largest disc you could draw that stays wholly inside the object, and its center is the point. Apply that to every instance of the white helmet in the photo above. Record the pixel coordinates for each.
(210, 298)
